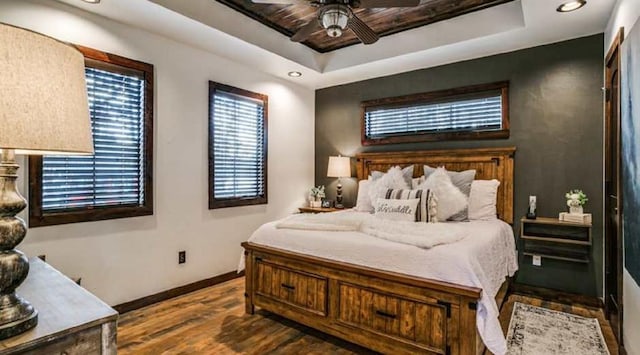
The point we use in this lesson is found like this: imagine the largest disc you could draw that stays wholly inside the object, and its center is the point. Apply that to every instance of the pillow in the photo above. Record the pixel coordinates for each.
(461, 180)
(422, 212)
(407, 173)
(450, 199)
(393, 179)
(397, 210)
(482, 200)
(363, 202)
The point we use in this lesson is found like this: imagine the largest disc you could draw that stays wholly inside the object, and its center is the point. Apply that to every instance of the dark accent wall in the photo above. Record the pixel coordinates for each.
(556, 118)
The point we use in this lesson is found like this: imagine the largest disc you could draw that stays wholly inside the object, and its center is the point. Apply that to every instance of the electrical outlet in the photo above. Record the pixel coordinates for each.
(182, 257)
(537, 260)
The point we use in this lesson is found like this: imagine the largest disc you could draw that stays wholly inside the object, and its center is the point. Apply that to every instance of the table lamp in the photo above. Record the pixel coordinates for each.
(339, 167)
(43, 110)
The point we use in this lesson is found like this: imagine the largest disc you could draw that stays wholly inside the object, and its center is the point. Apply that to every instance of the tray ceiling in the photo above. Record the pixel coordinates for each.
(287, 19)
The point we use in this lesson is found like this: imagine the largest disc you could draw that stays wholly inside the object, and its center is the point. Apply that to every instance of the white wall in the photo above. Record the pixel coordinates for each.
(125, 259)
(625, 14)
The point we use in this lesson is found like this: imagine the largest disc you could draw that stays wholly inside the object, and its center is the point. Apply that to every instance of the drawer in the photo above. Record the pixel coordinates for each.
(420, 323)
(304, 290)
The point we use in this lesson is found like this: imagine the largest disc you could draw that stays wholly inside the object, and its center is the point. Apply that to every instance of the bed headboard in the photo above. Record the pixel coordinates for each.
(489, 163)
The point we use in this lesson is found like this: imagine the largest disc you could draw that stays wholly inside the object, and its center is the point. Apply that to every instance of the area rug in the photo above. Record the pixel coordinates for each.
(540, 331)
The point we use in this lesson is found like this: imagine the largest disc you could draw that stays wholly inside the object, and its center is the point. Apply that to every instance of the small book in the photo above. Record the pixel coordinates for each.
(584, 218)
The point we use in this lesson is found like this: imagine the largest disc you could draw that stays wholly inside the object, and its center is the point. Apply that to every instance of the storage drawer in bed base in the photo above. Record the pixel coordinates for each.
(383, 311)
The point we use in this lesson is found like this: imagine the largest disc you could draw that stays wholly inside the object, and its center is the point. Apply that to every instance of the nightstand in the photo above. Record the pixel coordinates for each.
(317, 209)
(554, 239)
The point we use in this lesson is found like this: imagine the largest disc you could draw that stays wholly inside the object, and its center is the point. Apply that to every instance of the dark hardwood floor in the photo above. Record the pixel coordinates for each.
(212, 321)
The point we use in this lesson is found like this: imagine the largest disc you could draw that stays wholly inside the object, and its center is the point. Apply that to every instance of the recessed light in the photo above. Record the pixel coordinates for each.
(571, 6)
(295, 74)
(92, 1)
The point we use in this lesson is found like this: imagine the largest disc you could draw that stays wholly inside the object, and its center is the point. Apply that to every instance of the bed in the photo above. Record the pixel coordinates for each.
(316, 278)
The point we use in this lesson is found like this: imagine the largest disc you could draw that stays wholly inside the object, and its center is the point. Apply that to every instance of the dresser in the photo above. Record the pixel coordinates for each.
(71, 320)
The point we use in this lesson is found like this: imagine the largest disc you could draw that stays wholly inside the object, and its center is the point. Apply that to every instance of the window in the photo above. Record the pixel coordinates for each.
(474, 112)
(237, 147)
(116, 181)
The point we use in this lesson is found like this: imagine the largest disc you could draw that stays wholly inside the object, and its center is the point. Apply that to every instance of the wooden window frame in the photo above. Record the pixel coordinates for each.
(216, 203)
(38, 218)
(433, 97)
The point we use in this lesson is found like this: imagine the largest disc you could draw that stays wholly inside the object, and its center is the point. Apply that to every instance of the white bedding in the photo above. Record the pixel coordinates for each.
(482, 260)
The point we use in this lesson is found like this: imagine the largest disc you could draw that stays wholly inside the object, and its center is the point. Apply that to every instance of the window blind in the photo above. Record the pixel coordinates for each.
(113, 176)
(238, 146)
(468, 114)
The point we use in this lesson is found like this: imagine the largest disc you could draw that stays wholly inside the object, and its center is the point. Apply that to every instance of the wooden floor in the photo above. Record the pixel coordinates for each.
(212, 321)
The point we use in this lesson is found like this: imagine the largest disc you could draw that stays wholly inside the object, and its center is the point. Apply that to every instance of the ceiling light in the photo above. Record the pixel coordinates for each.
(92, 1)
(571, 6)
(334, 19)
(295, 74)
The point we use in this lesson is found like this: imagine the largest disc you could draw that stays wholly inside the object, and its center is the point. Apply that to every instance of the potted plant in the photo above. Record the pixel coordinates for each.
(576, 199)
(315, 196)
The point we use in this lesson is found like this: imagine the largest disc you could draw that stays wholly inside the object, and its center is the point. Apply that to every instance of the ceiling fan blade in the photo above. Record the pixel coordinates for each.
(305, 31)
(281, 2)
(362, 31)
(388, 3)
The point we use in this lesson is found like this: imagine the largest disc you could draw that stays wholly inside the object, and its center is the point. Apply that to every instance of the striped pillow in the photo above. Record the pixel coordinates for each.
(422, 212)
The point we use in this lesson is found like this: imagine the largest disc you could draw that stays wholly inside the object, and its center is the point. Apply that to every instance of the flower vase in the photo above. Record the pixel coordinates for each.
(576, 210)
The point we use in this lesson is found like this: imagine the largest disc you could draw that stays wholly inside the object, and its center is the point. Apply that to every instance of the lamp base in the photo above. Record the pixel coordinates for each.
(25, 316)
(16, 314)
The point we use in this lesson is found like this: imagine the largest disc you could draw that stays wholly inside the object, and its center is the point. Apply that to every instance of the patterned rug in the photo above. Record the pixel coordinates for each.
(540, 331)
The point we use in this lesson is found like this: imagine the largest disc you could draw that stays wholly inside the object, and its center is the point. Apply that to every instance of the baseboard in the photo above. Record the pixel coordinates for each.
(556, 296)
(175, 292)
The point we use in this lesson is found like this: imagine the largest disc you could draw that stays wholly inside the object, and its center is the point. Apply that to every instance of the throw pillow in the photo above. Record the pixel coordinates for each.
(450, 199)
(363, 202)
(482, 200)
(462, 180)
(397, 210)
(422, 212)
(393, 179)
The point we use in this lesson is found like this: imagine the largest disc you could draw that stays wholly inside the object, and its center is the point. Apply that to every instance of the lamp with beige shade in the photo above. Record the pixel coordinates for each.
(339, 167)
(43, 110)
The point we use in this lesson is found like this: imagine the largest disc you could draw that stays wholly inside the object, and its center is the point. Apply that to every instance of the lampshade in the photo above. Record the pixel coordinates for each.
(43, 95)
(339, 167)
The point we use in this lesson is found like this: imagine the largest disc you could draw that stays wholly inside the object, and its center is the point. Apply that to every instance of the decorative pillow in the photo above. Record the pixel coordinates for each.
(363, 202)
(450, 199)
(461, 180)
(482, 200)
(422, 212)
(393, 179)
(397, 210)
(407, 173)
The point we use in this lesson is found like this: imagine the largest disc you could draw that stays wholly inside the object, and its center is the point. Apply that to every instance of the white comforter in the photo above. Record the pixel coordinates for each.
(482, 259)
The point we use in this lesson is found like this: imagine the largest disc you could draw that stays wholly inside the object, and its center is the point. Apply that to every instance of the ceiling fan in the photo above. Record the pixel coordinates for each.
(336, 15)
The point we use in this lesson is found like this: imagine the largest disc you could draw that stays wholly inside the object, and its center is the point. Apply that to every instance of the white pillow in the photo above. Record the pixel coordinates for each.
(393, 179)
(397, 210)
(482, 200)
(363, 203)
(407, 172)
(450, 199)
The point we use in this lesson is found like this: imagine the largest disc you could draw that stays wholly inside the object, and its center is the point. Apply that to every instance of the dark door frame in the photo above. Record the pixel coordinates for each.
(613, 58)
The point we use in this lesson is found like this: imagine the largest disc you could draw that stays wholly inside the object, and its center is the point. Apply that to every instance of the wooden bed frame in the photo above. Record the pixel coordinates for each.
(384, 311)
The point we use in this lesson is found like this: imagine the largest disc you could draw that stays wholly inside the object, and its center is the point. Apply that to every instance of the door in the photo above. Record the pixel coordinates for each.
(613, 198)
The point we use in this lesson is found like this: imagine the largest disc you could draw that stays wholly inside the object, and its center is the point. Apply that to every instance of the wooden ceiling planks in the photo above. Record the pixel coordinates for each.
(287, 19)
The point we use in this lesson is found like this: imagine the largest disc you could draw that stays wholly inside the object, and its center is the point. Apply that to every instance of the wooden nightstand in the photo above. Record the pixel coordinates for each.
(555, 239)
(317, 209)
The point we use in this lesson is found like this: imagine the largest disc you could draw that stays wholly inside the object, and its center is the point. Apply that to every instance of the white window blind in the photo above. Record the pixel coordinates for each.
(113, 176)
(460, 115)
(238, 146)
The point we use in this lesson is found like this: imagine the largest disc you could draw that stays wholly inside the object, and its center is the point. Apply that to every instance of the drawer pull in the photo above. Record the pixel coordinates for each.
(385, 314)
(288, 287)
